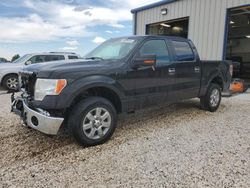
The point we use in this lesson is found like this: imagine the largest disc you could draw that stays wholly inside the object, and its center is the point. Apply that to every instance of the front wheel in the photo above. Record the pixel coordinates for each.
(211, 101)
(10, 82)
(93, 121)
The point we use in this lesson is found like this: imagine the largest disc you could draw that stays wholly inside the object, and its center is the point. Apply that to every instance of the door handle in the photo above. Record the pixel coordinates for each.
(197, 69)
(171, 70)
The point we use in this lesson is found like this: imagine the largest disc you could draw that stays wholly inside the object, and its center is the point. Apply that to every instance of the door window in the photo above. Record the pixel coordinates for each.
(37, 59)
(73, 57)
(158, 48)
(45, 58)
(183, 51)
(54, 58)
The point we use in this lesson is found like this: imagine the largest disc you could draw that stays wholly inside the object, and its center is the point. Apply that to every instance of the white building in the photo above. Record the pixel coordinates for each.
(220, 29)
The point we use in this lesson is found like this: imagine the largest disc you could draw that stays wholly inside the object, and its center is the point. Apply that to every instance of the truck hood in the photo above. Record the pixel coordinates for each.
(61, 69)
(10, 65)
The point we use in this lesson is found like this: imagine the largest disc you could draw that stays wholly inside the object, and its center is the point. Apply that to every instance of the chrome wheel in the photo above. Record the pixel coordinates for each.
(12, 83)
(97, 123)
(215, 97)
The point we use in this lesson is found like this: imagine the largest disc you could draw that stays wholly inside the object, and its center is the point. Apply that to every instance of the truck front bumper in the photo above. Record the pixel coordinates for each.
(42, 122)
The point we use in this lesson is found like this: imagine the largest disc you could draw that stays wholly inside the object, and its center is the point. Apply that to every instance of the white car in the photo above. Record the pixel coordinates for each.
(9, 71)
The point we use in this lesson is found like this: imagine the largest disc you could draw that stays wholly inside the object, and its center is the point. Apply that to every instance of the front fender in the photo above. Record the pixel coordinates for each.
(76, 88)
(6, 72)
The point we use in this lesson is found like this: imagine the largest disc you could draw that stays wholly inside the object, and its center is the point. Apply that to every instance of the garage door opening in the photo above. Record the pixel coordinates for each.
(238, 41)
(169, 28)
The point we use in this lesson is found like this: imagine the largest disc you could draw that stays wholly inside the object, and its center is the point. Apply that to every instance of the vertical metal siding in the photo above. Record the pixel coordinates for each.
(206, 22)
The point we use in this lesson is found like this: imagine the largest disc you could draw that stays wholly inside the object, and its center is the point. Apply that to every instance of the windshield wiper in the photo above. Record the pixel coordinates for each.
(94, 58)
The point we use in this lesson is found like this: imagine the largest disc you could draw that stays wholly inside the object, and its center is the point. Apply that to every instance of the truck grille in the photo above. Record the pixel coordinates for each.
(27, 82)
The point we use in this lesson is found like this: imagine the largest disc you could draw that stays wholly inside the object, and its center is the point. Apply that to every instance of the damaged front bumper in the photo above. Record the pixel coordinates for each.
(36, 118)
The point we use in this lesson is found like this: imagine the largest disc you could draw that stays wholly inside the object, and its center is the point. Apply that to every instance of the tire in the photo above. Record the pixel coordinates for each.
(211, 101)
(246, 87)
(10, 82)
(92, 121)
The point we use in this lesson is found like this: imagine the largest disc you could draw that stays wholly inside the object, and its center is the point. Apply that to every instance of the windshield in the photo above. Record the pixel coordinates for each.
(21, 59)
(113, 49)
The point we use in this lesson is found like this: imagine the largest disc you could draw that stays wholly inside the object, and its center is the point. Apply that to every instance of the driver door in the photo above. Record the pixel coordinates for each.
(152, 83)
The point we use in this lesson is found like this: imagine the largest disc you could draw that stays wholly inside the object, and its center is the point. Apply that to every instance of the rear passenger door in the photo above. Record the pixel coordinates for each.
(187, 71)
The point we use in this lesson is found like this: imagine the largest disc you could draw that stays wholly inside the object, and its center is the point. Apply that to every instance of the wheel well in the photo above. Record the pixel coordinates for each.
(6, 76)
(218, 80)
(101, 92)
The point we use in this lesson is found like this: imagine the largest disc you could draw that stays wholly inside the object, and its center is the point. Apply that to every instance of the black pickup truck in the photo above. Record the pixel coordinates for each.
(121, 75)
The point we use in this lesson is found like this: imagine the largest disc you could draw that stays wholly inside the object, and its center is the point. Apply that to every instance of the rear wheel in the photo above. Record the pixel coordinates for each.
(10, 82)
(93, 121)
(211, 101)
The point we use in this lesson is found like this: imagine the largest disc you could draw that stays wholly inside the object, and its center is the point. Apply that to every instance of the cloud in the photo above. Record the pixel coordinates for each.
(99, 40)
(73, 43)
(66, 14)
(117, 26)
(130, 4)
(111, 32)
(34, 28)
(67, 48)
(49, 20)
(136, 4)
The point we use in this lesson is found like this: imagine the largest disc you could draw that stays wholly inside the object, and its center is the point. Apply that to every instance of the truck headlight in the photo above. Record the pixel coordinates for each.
(45, 87)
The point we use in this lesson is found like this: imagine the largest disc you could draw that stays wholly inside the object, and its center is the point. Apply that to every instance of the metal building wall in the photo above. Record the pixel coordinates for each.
(207, 19)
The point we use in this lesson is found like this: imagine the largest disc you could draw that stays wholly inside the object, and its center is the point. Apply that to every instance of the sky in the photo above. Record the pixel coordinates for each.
(31, 26)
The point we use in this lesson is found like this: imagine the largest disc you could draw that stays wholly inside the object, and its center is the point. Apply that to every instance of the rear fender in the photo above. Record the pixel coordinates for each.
(208, 80)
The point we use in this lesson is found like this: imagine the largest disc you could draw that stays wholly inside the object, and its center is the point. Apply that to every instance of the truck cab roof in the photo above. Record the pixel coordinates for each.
(155, 36)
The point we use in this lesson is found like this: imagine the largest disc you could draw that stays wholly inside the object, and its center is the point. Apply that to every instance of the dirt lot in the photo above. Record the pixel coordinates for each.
(175, 146)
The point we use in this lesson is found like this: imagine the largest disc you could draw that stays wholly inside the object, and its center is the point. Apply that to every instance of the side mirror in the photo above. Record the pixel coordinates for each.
(28, 63)
(144, 61)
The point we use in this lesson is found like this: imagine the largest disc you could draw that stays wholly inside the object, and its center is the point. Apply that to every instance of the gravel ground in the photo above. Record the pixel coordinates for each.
(174, 146)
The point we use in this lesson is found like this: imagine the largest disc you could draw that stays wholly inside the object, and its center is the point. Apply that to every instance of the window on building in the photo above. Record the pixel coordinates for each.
(170, 28)
(183, 51)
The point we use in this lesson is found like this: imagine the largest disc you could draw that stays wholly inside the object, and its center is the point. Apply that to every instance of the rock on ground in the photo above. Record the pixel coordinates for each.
(172, 146)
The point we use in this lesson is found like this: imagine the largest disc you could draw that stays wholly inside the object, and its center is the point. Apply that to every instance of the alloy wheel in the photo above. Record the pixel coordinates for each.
(97, 123)
(215, 97)
(12, 83)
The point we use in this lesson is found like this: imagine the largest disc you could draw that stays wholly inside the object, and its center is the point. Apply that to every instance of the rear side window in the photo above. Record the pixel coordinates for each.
(183, 51)
(54, 58)
(158, 48)
(73, 57)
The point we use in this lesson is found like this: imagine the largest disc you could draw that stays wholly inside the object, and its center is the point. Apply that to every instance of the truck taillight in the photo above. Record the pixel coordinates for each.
(231, 69)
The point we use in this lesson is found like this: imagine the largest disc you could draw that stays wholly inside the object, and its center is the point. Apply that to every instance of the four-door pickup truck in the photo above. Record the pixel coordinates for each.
(121, 75)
